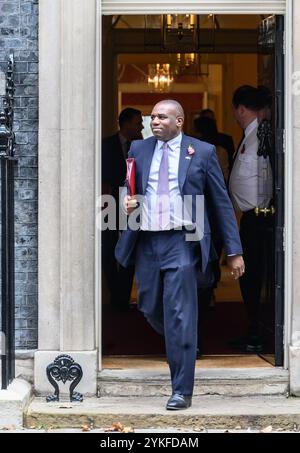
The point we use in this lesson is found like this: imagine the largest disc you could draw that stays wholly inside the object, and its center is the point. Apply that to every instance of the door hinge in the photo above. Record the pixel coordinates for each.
(283, 41)
(283, 239)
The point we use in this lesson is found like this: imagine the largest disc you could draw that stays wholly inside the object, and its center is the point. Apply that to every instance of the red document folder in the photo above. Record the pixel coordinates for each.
(130, 175)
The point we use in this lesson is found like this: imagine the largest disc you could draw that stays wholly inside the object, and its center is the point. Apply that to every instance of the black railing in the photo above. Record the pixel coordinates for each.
(7, 159)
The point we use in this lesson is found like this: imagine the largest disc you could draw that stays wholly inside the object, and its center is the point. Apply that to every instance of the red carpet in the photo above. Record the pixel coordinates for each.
(130, 334)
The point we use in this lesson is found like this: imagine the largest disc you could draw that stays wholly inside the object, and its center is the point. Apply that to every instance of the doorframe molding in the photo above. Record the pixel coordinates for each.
(288, 182)
(98, 133)
(194, 6)
(284, 7)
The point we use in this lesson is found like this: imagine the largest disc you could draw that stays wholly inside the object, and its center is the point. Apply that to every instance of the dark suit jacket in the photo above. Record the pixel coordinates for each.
(113, 164)
(199, 174)
(226, 142)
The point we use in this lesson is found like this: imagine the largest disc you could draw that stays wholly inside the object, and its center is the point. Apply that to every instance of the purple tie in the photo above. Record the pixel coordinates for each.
(163, 192)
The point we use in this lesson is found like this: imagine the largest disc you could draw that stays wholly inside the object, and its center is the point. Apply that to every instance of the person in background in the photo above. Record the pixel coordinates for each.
(250, 187)
(206, 130)
(223, 140)
(114, 154)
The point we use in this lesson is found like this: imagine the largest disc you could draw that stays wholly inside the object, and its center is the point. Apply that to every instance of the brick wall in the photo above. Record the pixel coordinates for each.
(19, 33)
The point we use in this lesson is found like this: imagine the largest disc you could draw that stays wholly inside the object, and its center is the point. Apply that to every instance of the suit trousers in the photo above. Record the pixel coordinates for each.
(166, 267)
(255, 237)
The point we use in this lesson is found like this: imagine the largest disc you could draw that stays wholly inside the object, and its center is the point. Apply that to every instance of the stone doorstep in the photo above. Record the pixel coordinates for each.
(210, 412)
(14, 402)
(212, 381)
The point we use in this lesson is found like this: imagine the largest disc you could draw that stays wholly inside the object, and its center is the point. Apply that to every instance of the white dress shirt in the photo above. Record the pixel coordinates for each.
(251, 181)
(175, 217)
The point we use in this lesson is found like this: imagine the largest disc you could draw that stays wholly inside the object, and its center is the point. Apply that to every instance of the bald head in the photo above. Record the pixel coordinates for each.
(167, 119)
(174, 105)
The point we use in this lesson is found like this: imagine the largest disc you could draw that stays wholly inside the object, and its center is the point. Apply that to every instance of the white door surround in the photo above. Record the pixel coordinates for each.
(194, 7)
(107, 7)
(69, 174)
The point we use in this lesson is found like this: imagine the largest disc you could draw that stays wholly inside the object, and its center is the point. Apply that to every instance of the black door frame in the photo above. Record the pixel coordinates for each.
(279, 188)
(271, 45)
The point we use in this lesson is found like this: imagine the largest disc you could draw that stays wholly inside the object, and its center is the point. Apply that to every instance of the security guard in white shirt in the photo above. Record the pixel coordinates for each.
(250, 187)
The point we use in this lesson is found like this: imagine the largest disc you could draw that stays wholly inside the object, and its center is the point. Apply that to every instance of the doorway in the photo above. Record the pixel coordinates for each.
(231, 52)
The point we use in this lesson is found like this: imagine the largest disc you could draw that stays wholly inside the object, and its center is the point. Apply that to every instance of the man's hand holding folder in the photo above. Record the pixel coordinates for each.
(130, 202)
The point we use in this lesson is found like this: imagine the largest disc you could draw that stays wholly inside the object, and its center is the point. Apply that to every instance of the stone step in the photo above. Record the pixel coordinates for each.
(211, 381)
(209, 412)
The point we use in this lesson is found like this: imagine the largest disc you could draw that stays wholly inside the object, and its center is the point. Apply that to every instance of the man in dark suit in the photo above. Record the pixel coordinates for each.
(172, 245)
(114, 153)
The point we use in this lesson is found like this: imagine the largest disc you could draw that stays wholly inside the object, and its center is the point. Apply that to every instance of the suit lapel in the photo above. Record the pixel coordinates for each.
(149, 150)
(184, 161)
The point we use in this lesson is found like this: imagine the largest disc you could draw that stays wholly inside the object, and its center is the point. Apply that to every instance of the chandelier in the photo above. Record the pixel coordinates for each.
(180, 22)
(180, 32)
(180, 29)
(160, 78)
(192, 64)
(187, 59)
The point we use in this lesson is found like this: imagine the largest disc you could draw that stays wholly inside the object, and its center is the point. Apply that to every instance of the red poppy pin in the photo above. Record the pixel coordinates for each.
(243, 149)
(190, 150)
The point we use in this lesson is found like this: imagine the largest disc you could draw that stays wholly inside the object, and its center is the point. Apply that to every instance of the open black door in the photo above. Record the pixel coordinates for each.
(271, 75)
